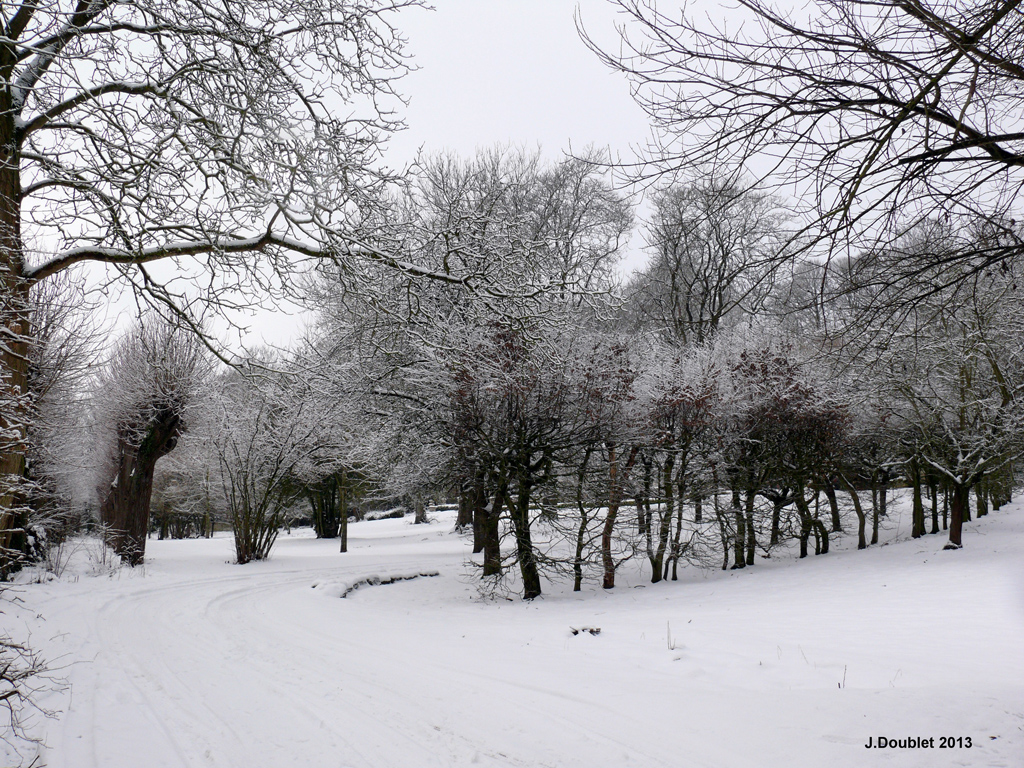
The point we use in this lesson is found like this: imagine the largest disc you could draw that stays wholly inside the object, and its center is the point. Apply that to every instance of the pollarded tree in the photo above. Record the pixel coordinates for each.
(154, 375)
(219, 138)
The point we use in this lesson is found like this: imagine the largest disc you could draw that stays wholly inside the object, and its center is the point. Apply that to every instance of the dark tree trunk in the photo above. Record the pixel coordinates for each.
(643, 501)
(125, 510)
(666, 512)
(617, 477)
(917, 517)
(981, 493)
(779, 501)
(724, 533)
(833, 505)
(464, 519)
(343, 511)
(805, 521)
(677, 547)
(740, 545)
(751, 535)
(581, 532)
(490, 534)
(419, 511)
(996, 492)
(933, 490)
(822, 538)
(957, 509)
(323, 501)
(875, 514)
(520, 514)
(479, 504)
(861, 517)
(15, 332)
(808, 525)
(14, 406)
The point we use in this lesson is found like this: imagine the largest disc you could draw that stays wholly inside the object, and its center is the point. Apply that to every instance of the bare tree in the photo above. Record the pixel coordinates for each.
(716, 246)
(153, 376)
(959, 374)
(260, 431)
(877, 114)
(64, 345)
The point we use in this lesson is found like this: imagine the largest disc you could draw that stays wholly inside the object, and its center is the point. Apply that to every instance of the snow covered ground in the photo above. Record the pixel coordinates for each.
(193, 661)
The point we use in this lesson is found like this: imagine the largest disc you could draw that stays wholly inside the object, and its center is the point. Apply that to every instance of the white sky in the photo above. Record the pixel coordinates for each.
(500, 71)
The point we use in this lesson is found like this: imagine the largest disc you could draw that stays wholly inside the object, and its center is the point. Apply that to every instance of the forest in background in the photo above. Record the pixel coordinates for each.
(713, 407)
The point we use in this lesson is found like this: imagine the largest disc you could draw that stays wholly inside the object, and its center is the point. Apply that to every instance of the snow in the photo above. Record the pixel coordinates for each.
(193, 661)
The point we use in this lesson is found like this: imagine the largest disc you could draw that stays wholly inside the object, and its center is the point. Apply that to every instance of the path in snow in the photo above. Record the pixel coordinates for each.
(193, 661)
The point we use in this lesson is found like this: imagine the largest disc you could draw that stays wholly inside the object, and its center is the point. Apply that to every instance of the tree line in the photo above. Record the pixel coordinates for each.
(726, 400)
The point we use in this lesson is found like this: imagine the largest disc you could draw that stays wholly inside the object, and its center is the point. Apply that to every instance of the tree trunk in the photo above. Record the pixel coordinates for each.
(723, 531)
(616, 480)
(740, 545)
(15, 333)
(581, 532)
(861, 517)
(808, 525)
(833, 505)
(874, 511)
(933, 489)
(957, 508)
(666, 511)
(677, 547)
(945, 508)
(343, 511)
(419, 507)
(464, 519)
(520, 514)
(14, 395)
(479, 502)
(490, 533)
(323, 500)
(981, 493)
(779, 502)
(751, 535)
(125, 510)
(643, 501)
(917, 517)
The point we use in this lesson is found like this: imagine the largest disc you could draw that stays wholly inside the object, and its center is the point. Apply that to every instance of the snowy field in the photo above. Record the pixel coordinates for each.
(193, 661)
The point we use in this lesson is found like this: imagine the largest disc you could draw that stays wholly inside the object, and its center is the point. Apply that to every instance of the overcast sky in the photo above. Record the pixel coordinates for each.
(500, 71)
